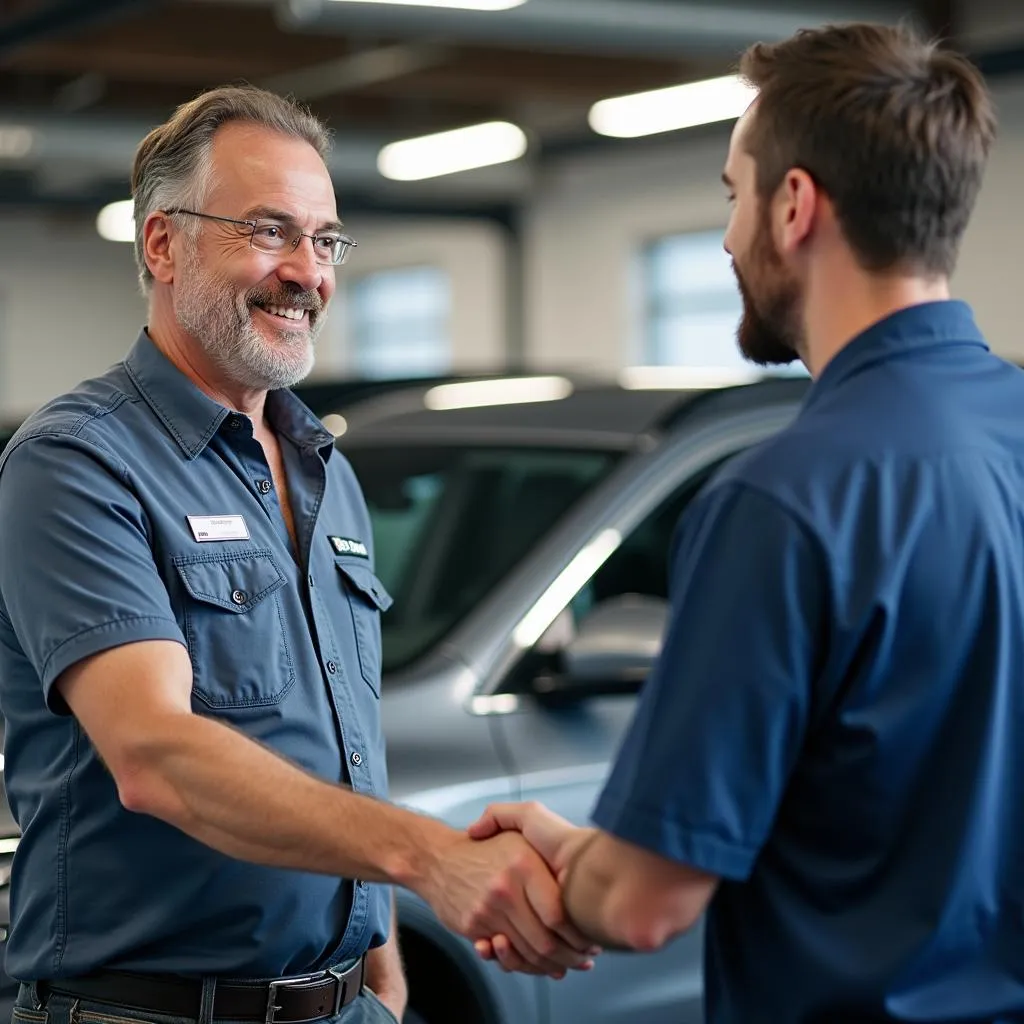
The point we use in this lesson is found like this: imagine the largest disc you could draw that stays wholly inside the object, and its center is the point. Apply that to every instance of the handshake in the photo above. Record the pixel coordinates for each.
(501, 884)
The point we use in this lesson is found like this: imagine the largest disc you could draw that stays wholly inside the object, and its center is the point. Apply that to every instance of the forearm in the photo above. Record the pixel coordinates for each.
(628, 899)
(227, 791)
(587, 893)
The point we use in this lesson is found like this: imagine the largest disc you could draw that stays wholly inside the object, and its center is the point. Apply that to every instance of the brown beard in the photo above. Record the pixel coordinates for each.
(769, 332)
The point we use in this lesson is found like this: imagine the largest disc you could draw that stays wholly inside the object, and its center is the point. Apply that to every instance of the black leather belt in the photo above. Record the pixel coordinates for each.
(278, 1001)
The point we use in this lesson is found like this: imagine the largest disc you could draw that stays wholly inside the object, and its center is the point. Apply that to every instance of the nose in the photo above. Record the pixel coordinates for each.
(298, 266)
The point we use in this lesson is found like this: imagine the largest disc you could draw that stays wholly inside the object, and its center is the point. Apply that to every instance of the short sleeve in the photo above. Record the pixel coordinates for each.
(721, 719)
(77, 574)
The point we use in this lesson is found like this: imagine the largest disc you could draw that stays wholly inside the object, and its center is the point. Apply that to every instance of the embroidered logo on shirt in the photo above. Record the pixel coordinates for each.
(347, 546)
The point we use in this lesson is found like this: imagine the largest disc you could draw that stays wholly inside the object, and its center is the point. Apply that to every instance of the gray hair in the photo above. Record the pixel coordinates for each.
(173, 164)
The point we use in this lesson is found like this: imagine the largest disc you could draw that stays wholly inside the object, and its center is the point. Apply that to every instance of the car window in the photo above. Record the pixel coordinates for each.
(450, 522)
(640, 564)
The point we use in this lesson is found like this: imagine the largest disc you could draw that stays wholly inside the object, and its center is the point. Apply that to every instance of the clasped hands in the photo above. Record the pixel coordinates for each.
(503, 890)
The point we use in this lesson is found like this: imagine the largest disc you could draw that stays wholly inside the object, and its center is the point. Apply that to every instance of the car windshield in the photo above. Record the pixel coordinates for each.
(450, 522)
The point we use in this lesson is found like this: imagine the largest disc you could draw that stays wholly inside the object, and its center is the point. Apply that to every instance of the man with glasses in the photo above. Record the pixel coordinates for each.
(190, 640)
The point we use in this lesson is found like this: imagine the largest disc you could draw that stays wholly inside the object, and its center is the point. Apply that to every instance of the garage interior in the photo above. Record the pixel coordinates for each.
(534, 340)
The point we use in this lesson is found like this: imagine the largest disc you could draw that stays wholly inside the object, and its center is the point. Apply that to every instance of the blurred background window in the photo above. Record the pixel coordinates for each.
(691, 303)
(400, 322)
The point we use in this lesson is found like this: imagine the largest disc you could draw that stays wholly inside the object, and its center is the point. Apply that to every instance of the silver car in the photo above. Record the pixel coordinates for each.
(526, 545)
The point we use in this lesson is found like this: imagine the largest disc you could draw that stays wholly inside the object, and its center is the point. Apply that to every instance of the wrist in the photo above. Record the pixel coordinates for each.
(416, 861)
(572, 850)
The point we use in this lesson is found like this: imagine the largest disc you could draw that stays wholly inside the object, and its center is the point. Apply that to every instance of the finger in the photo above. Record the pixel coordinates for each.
(484, 949)
(530, 940)
(544, 948)
(547, 904)
(484, 827)
(511, 960)
(498, 818)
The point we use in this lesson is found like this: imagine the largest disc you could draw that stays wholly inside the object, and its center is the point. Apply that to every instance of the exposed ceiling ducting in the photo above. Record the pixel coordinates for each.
(82, 81)
(662, 27)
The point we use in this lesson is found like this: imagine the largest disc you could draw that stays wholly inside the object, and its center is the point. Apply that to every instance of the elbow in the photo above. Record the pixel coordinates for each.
(648, 936)
(649, 924)
(135, 792)
(141, 788)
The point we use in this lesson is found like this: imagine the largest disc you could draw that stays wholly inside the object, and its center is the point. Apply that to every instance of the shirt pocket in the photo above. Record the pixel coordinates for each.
(235, 629)
(367, 598)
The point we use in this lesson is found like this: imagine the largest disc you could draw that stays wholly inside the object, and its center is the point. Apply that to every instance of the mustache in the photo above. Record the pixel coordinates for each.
(261, 296)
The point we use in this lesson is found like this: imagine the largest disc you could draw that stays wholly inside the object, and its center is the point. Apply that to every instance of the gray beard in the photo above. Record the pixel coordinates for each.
(221, 322)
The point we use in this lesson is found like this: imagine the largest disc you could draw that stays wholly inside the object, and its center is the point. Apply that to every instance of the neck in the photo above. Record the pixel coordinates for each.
(840, 306)
(187, 354)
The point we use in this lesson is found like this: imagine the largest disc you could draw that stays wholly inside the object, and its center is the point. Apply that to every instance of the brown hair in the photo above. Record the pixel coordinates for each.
(172, 165)
(895, 130)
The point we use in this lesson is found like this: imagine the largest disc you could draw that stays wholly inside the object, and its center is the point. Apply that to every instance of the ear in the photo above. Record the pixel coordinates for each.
(156, 247)
(796, 208)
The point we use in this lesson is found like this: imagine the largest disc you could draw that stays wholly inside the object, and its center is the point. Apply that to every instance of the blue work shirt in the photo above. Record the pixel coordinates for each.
(835, 727)
(97, 550)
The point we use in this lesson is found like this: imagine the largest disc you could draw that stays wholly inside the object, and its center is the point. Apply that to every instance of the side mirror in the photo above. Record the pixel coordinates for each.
(612, 652)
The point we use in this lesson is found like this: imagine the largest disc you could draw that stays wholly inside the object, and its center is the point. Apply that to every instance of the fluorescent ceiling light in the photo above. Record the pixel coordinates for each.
(474, 394)
(462, 5)
(679, 106)
(116, 221)
(670, 378)
(463, 149)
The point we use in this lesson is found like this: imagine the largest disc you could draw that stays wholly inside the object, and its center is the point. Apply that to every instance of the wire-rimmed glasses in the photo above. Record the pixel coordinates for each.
(273, 236)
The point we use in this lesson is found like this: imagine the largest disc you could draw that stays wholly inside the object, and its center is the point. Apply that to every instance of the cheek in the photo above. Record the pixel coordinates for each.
(738, 233)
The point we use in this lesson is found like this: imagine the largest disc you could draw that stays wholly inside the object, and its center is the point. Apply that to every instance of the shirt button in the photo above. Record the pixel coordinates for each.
(356, 758)
(361, 884)
(239, 596)
(332, 667)
(264, 486)
(234, 423)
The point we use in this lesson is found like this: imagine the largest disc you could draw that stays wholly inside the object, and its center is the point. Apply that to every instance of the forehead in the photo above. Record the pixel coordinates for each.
(739, 161)
(254, 166)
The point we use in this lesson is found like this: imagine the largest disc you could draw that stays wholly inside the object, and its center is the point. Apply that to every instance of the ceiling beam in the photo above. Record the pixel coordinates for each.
(664, 27)
(357, 70)
(61, 17)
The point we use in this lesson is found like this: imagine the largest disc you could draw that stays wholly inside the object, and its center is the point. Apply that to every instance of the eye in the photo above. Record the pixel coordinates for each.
(268, 231)
(326, 242)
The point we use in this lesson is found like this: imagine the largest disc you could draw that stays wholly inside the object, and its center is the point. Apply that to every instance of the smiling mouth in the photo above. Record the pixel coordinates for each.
(284, 312)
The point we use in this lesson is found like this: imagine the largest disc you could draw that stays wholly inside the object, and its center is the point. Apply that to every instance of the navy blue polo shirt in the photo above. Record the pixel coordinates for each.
(137, 508)
(835, 727)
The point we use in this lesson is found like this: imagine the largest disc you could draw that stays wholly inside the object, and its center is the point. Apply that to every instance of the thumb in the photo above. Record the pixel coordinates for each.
(484, 827)
(497, 818)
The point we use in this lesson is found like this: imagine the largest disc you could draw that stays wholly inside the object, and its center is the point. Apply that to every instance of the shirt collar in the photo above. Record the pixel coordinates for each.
(192, 417)
(903, 334)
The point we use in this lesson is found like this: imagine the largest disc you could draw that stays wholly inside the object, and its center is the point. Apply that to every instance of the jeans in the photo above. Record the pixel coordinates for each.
(61, 1009)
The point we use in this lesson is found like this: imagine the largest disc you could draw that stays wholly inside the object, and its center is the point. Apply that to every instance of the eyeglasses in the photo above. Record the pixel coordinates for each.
(330, 248)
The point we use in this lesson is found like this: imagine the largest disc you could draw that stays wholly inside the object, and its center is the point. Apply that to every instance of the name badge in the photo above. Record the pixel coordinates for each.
(206, 528)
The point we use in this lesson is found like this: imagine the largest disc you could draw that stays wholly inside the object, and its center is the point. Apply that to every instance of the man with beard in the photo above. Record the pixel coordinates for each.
(829, 754)
(190, 640)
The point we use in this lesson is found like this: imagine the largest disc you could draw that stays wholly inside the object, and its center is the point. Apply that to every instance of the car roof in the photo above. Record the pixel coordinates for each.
(593, 413)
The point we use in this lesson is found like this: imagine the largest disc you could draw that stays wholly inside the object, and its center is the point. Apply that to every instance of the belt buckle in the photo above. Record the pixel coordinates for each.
(342, 978)
(273, 986)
